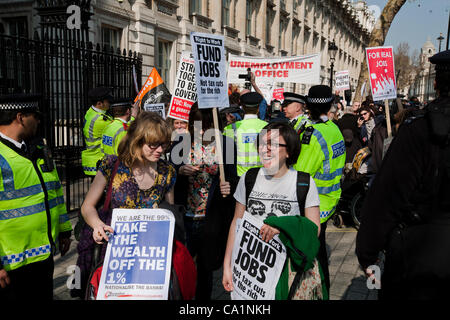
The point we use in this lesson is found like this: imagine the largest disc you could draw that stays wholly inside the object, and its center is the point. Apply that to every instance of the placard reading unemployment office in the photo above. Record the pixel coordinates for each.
(256, 264)
(300, 69)
(210, 70)
(139, 255)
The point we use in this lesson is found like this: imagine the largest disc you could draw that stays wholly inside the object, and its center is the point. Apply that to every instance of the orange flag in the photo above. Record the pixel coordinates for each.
(154, 90)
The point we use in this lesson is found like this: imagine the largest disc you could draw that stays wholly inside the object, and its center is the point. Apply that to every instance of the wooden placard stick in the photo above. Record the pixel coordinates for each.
(219, 152)
(388, 118)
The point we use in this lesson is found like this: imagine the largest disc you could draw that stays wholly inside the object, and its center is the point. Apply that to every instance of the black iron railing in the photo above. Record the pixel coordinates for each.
(63, 69)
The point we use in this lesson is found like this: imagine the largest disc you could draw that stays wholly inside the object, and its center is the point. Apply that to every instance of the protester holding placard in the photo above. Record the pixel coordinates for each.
(142, 180)
(209, 206)
(274, 197)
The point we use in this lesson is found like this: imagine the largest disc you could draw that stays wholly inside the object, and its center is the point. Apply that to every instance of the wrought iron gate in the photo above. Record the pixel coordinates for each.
(63, 67)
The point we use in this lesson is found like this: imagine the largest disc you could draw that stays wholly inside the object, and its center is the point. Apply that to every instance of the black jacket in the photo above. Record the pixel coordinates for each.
(219, 209)
(411, 182)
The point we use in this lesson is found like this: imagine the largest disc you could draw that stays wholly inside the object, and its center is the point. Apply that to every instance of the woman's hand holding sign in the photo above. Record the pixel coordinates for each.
(267, 232)
(99, 233)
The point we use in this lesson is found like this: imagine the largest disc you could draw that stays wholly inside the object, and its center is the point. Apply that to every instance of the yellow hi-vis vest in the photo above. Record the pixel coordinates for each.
(94, 125)
(112, 136)
(32, 210)
(322, 155)
(245, 134)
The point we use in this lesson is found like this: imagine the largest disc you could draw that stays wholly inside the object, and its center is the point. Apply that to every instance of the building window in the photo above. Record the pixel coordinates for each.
(195, 6)
(248, 17)
(283, 5)
(111, 37)
(282, 34)
(17, 27)
(163, 60)
(226, 12)
(269, 16)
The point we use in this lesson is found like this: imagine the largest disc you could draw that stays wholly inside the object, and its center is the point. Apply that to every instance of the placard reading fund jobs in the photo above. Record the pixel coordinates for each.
(210, 70)
(138, 257)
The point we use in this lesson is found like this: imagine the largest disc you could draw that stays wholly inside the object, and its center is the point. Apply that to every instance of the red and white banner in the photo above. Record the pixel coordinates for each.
(278, 94)
(299, 69)
(380, 61)
(185, 93)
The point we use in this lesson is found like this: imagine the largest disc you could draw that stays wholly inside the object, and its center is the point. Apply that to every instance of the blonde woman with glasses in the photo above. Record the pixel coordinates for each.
(142, 180)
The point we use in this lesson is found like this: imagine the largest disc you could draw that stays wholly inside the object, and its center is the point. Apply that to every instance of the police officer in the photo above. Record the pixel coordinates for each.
(322, 155)
(96, 120)
(33, 216)
(114, 132)
(246, 133)
(294, 109)
(407, 211)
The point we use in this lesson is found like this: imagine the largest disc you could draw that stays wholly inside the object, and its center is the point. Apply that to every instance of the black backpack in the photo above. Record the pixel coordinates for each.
(302, 186)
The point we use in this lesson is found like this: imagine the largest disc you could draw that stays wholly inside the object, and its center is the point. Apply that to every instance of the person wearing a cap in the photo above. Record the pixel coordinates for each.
(96, 120)
(407, 211)
(33, 215)
(322, 155)
(124, 112)
(294, 109)
(246, 133)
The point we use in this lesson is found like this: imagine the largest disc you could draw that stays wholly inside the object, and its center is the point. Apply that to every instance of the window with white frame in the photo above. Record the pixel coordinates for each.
(111, 36)
(248, 17)
(163, 60)
(226, 12)
(195, 6)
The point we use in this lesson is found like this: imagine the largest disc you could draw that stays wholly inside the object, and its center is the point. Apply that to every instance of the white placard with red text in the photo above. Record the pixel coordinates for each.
(298, 69)
(185, 93)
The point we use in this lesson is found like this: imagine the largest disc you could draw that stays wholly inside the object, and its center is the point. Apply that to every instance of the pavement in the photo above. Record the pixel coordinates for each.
(347, 279)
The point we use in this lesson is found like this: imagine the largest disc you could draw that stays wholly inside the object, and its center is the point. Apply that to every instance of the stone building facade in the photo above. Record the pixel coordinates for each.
(423, 85)
(160, 29)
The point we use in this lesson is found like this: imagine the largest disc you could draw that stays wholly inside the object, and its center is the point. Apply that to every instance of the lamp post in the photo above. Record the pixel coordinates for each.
(332, 50)
(440, 38)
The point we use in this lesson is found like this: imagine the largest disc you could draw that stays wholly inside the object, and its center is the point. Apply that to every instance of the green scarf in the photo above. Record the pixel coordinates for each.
(301, 233)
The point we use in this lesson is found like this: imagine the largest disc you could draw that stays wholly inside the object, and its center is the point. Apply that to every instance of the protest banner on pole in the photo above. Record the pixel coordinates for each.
(185, 92)
(210, 70)
(363, 92)
(300, 69)
(211, 80)
(159, 108)
(153, 91)
(342, 81)
(138, 258)
(256, 265)
(380, 61)
(278, 94)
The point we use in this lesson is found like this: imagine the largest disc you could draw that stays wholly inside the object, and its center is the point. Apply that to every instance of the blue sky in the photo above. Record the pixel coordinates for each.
(416, 21)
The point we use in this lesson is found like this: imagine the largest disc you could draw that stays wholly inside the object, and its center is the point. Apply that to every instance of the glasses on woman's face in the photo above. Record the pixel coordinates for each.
(155, 146)
(364, 113)
(271, 145)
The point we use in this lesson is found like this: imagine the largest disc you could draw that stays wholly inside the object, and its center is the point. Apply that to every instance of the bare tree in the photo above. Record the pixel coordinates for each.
(378, 36)
(406, 66)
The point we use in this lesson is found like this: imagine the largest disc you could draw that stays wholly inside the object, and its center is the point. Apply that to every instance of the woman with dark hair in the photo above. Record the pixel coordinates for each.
(209, 206)
(366, 122)
(274, 194)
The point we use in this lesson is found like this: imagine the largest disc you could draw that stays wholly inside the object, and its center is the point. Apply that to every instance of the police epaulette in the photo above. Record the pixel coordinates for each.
(307, 135)
(413, 118)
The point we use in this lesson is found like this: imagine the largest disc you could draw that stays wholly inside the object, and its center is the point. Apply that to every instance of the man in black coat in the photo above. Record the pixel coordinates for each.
(407, 209)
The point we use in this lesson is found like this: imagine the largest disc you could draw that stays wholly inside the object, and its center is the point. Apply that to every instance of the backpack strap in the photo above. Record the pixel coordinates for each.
(250, 179)
(303, 179)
